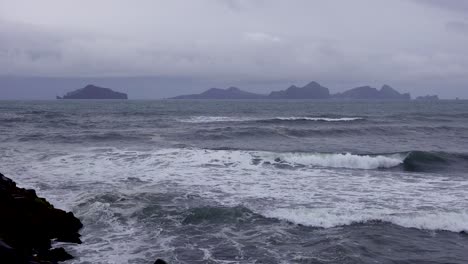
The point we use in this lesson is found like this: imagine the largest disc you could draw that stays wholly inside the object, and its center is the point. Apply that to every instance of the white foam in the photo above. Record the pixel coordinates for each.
(327, 218)
(212, 119)
(326, 119)
(345, 160)
(314, 195)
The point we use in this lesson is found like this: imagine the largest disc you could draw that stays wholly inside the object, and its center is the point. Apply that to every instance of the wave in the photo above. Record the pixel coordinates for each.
(447, 221)
(213, 119)
(254, 131)
(412, 161)
(337, 160)
(218, 215)
(327, 218)
(81, 138)
(423, 161)
(325, 119)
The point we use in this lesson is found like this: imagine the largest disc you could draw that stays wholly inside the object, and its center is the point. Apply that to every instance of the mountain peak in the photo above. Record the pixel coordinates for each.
(226, 94)
(368, 92)
(312, 84)
(386, 87)
(91, 91)
(312, 90)
(233, 89)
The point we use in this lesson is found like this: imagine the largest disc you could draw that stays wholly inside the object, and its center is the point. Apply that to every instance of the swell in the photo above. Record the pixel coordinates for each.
(413, 161)
(333, 160)
(84, 137)
(280, 119)
(323, 218)
(233, 132)
(424, 161)
(431, 220)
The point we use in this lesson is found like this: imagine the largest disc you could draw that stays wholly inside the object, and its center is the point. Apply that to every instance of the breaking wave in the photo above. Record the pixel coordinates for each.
(338, 160)
(212, 119)
(447, 221)
(413, 161)
(324, 119)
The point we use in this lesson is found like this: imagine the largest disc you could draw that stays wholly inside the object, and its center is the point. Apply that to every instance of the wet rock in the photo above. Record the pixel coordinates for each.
(28, 223)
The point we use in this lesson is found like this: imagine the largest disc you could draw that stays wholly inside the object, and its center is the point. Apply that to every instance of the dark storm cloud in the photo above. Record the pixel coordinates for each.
(340, 43)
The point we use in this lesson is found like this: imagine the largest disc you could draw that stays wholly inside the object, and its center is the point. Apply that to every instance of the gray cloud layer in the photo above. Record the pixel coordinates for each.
(417, 44)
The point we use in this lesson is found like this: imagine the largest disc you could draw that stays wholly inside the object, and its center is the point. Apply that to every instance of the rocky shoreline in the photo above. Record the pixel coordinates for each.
(29, 224)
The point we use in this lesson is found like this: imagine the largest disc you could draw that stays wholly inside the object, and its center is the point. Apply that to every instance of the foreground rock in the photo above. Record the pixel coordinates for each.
(94, 92)
(28, 223)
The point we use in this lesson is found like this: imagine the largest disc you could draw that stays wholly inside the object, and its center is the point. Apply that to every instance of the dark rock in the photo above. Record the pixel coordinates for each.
(312, 90)
(94, 92)
(56, 254)
(370, 93)
(8, 254)
(216, 93)
(160, 261)
(28, 223)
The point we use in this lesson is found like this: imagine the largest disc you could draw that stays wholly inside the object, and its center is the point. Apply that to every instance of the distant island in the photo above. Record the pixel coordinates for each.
(367, 92)
(94, 92)
(313, 90)
(216, 93)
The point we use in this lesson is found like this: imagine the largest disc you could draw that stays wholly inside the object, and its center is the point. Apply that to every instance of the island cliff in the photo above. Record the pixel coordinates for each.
(216, 93)
(94, 92)
(370, 93)
(313, 90)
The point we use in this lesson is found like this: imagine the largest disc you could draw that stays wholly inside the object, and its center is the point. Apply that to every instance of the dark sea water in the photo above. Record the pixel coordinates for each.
(249, 181)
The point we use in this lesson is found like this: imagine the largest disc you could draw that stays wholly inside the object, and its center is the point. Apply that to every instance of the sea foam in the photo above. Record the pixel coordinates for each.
(327, 218)
(212, 119)
(339, 160)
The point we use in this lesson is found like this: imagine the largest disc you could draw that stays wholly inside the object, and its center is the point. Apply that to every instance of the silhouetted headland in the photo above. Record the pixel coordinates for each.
(94, 92)
(216, 93)
(313, 90)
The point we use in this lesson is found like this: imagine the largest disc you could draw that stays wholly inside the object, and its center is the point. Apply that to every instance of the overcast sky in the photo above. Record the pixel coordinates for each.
(420, 46)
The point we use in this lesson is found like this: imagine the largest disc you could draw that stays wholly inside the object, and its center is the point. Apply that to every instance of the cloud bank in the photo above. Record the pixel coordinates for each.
(413, 43)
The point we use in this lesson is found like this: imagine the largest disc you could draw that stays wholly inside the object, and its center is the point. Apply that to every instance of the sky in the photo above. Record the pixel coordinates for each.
(165, 48)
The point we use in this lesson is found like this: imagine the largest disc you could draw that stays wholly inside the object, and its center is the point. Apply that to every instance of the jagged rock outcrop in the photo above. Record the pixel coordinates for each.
(94, 92)
(216, 93)
(28, 223)
(313, 90)
(370, 93)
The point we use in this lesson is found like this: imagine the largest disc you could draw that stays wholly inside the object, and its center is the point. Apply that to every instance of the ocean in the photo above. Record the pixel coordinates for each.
(248, 181)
